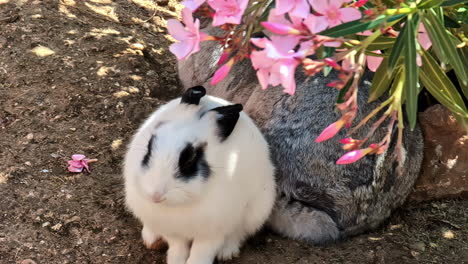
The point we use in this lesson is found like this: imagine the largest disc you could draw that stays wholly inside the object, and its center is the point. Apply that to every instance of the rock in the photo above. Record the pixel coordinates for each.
(444, 173)
(419, 246)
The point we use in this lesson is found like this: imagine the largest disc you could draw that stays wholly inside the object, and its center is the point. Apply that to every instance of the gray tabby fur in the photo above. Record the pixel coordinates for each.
(318, 201)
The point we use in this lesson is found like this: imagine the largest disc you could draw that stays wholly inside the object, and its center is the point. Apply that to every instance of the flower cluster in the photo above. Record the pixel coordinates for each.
(341, 35)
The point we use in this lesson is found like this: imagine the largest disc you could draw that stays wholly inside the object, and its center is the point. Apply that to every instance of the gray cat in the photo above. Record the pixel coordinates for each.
(318, 201)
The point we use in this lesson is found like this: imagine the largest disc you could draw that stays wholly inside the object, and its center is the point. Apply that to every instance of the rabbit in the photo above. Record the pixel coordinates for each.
(198, 174)
(318, 201)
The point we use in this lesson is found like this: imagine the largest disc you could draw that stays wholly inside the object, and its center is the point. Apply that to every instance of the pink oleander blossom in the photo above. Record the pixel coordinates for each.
(189, 37)
(280, 25)
(193, 4)
(331, 15)
(276, 63)
(296, 8)
(228, 11)
(79, 162)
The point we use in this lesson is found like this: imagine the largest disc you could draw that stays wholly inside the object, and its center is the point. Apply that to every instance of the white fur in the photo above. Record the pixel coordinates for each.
(216, 214)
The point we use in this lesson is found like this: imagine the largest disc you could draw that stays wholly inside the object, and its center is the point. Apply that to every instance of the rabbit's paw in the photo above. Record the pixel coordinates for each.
(151, 239)
(229, 250)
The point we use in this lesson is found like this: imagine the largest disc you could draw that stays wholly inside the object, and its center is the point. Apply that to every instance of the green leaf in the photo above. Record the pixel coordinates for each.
(357, 26)
(439, 85)
(343, 91)
(429, 4)
(381, 43)
(328, 52)
(411, 69)
(453, 2)
(398, 48)
(447, 45)
(380, 82)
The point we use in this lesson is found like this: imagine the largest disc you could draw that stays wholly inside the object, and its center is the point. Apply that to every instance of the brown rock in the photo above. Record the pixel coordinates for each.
(444, 173)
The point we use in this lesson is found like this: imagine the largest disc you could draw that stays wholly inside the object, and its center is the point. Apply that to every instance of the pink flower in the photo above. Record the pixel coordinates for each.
(423, 37)
(193, 4)
(222, 72)
(280, 25)
(297, 8)
(331, 14)
(373, 62)
(228, 11)
(356, 155)
(79, 162)
(330, 131)
(277, 62)
(189, 37)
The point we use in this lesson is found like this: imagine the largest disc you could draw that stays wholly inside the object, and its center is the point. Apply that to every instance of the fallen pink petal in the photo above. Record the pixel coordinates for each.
(79, 162)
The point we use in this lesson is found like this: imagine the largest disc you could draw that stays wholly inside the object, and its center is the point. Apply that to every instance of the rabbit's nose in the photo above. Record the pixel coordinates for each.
(157, 197)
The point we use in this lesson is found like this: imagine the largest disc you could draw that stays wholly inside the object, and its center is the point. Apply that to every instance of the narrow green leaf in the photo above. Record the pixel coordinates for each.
(411, 69)
(381, 43)
(429, 4)
(398, 48)
(357, 26)
(453, 2)
(439, 85)
(380, 82)
(343, 91)
(447, 45)
(328, 52)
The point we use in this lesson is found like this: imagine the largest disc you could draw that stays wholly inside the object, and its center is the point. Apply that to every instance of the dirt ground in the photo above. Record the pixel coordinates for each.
(79, 77)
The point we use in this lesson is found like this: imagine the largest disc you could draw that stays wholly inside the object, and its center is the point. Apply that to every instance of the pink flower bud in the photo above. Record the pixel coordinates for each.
(360, 3)
(223, 58)
(281, 29)
(353, 156)
(332, 63)
(222, 72)
(330, 131)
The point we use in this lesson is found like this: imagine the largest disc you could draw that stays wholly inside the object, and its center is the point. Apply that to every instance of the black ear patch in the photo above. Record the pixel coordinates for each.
(149, 150)
(192, 162)
(193, 95)
(227, 119)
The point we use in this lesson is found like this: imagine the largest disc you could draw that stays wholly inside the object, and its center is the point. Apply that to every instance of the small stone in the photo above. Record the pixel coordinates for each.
(28, 261)
(116, 144)
(433, 245)
(73, 128)
(132, 89)
(121, 94)
(448, 234)
(419, 246)
(57, 227)
(30, 136)
(46, 224)
(27, 163)
(73, 219)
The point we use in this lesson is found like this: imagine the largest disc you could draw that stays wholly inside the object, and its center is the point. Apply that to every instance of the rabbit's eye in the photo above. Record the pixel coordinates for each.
(192, 162)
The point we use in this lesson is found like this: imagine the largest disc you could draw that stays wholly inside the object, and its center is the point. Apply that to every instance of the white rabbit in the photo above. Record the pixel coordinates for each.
(198, 173)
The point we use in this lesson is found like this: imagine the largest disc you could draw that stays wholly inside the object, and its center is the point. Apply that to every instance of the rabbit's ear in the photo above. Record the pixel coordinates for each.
(226, 119)
(193, 95)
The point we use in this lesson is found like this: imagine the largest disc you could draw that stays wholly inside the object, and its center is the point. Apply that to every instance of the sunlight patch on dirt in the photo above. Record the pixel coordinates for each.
(98, 33)
(63, 9)
(104, 70)
(107, 11)
(42, 51)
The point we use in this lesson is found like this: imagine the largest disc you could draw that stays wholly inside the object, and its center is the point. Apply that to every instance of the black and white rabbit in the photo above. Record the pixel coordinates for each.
(198, 174)
(318, 200)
